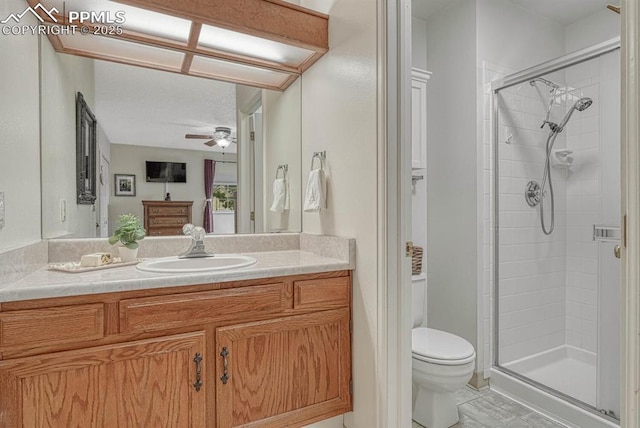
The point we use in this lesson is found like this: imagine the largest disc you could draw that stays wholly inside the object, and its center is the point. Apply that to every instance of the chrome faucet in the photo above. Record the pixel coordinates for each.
(196, 249)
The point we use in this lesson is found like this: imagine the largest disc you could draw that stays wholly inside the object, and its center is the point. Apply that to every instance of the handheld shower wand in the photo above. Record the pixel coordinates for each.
(534, 193)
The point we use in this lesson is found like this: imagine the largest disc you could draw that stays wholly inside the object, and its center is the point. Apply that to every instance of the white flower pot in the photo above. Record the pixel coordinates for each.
(127, 254)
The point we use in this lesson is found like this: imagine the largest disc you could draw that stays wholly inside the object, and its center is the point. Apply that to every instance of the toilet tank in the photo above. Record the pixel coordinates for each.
(418, 294)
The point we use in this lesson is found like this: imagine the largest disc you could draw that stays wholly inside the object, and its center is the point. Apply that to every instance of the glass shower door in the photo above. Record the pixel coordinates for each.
(558, 198)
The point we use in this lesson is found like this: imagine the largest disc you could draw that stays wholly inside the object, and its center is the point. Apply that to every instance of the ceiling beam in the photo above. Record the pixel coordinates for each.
(192, 43)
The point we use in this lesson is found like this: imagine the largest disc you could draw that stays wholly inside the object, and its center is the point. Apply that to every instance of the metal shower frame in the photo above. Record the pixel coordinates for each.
(497, 85)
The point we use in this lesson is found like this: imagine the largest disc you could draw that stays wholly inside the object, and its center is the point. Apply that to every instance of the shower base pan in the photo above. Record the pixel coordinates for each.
(566, 369)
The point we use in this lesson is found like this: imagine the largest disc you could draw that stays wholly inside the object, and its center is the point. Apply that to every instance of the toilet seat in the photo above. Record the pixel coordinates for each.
(439, 347)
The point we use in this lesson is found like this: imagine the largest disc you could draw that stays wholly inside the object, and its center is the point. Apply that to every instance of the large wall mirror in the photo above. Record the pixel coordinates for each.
(146, 117)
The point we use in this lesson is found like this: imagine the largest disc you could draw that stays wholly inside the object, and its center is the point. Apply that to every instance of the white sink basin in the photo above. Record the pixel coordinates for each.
(204, 264)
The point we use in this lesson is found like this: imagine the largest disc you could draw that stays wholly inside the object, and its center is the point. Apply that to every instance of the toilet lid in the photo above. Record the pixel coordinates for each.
(440, 347)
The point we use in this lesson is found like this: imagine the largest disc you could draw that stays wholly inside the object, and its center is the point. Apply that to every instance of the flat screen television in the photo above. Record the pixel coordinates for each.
(166, 172)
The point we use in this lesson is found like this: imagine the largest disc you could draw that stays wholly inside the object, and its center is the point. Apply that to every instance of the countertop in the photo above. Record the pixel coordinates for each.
(45, 283)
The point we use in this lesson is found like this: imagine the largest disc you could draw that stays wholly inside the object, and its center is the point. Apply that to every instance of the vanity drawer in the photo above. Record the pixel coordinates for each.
(169, 211)
(48, 326)
(164, 231)
(179, 310)
(168, 221)
(322, 293)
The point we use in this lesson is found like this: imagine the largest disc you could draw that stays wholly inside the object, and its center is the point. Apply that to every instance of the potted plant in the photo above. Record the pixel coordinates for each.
(128, 233)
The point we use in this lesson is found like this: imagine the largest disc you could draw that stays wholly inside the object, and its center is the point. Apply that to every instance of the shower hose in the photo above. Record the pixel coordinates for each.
(551, 139)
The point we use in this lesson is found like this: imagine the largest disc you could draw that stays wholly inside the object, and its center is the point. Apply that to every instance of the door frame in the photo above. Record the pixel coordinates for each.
(256, 144)
(394, 213)
(630, 159)
(244, 203)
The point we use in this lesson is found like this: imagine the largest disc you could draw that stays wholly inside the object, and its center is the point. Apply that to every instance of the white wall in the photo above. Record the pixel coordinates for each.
(62, 77)
(451, 171)
(418, 43)
(131, 160)
(19, 134)
(599, 27)
(339, 115)
(281, 127)
(513, 37)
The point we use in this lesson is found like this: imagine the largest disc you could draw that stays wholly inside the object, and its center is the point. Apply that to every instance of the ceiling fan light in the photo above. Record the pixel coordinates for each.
(223, 143)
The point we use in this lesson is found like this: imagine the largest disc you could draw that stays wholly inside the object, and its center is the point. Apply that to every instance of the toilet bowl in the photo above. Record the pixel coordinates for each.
(442, 364)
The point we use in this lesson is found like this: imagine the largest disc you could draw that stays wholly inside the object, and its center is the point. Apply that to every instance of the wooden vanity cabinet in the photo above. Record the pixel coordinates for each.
(283, 372)
(147, 383)
(258, 353)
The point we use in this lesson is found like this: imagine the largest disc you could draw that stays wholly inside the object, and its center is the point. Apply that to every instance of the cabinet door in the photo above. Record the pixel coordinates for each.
(284, 372)
(419, 80)
(147, 383)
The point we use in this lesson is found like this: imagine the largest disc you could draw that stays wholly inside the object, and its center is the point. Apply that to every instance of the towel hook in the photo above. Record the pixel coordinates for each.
(284, 168)
(320, 155)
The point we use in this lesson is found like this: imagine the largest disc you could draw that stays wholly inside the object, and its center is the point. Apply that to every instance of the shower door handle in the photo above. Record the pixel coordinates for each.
(616, 251)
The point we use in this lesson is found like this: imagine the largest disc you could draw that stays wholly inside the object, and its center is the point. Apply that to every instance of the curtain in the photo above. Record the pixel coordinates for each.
(209, 174)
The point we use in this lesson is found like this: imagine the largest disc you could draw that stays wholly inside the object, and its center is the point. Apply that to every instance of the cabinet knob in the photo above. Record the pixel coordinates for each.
(616, 251)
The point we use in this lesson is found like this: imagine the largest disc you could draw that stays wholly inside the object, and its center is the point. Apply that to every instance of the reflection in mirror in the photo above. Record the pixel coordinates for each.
(147, 116)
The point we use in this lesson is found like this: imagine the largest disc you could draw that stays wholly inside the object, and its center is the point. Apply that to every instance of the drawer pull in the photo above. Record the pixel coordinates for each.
(225, 373)
(198, 360)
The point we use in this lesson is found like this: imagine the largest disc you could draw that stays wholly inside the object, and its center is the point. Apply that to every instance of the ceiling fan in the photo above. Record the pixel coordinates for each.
(220, 137)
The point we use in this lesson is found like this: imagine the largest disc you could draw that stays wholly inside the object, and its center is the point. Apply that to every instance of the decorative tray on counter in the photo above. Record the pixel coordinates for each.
(74, 267)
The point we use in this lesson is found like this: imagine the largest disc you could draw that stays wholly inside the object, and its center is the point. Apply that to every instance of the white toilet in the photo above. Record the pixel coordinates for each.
(442, 364)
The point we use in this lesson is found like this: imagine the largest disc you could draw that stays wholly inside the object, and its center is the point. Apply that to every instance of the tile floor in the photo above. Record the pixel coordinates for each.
(488, 409)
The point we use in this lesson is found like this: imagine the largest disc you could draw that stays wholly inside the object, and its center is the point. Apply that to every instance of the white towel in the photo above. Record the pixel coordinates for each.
(280, 195)
(314, 199)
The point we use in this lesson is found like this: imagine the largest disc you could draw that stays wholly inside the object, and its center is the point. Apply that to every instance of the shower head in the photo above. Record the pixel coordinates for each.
(581, 105)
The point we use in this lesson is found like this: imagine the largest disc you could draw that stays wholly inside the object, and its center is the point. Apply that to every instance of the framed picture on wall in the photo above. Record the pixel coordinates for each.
(125, 184)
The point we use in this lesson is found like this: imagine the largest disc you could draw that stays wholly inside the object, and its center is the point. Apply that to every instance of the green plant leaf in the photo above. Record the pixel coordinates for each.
(131, 245)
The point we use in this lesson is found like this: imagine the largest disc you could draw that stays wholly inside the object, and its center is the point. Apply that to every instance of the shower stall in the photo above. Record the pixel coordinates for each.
(555, 211)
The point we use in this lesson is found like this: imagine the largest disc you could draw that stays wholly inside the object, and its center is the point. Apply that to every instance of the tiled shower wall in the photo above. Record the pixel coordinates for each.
(583, 203)
(532, 265)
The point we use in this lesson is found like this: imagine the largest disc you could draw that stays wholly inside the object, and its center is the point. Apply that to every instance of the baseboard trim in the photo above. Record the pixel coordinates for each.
(478, 381)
